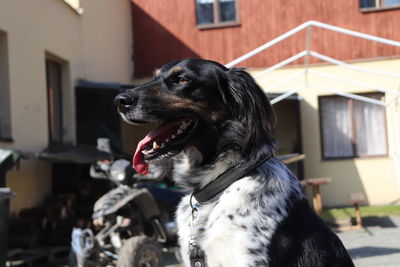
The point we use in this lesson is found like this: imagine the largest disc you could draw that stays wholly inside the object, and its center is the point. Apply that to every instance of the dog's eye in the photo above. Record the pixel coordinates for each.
(182, 80)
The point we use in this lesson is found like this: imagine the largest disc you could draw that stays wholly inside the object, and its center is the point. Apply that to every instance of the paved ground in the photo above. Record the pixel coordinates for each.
(378, 245)
(170, 260)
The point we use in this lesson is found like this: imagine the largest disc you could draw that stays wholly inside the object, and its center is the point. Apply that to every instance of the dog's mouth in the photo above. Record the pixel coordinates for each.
(165, 141)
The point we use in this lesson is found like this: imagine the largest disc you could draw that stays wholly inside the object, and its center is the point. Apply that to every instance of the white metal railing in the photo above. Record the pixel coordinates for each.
(395, 102)
(281, 64)
(307, 72)
(288, 79)
(357, 97)
(287, 94)
(328, 89)
(310, 24)
(354, 82)
(267, 45)
(308, 52)
(343, 64)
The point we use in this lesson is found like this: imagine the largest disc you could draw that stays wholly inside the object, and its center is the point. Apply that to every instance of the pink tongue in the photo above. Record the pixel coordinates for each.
(138, 160)
(158, 135)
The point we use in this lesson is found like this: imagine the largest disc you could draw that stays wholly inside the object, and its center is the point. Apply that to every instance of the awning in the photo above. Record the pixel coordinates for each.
(74, 154)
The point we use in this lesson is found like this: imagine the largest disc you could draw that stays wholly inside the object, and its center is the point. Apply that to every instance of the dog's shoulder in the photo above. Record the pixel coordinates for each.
(243, 219)
(262, 219)
(303, 239)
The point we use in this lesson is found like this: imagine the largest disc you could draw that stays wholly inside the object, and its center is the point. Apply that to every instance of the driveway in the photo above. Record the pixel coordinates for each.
(377, 245)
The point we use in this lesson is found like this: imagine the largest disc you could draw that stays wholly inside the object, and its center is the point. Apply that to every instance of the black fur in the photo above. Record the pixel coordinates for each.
(233, 115)
(303, 239)
(230, 94)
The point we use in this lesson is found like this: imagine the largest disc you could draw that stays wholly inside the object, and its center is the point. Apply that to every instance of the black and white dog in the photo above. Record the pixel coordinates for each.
(244, 207)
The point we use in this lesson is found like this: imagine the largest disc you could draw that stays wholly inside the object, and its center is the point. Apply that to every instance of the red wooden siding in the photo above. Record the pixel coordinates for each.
(166, 29)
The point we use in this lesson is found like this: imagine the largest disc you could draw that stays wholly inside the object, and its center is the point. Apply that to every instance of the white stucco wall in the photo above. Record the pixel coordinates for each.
(374, 176)
(93, 46)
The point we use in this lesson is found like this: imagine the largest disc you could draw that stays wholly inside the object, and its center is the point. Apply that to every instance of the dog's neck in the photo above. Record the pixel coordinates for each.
(191, 174)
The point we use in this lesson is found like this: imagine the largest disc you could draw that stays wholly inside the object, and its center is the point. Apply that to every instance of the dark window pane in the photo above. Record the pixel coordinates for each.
(227, 10)
(204, 12)
(336, 127)
(370, 127)
(367, 3)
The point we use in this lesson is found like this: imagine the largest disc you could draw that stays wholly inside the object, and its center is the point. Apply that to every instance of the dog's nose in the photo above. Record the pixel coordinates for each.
(124, 100)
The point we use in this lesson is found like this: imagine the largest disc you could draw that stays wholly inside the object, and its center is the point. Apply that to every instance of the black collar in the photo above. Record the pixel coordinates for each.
(224, 180)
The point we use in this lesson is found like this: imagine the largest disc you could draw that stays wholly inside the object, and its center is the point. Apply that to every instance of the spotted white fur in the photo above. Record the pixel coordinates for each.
(235, 229)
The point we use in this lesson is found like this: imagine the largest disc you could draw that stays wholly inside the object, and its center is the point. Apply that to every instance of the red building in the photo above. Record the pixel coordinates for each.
(314, 120)
(223, 30)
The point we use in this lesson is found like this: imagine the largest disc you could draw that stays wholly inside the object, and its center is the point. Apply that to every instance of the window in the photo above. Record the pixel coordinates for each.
(54, 101)
(380, 4)
(216, 12)
(352, 128)
(5, 109)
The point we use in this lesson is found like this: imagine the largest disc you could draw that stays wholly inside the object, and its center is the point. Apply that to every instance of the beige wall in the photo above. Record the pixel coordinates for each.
(93, 46)
(375, 177)
(107, 40)
(31, 183)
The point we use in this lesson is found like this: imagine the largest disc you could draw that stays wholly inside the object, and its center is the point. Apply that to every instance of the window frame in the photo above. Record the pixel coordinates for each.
(379, 6)
(217, 17)
(353, 129)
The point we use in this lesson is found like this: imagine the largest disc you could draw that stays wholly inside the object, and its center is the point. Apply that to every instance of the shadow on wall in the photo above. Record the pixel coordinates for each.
(288, 132)
(154, 45)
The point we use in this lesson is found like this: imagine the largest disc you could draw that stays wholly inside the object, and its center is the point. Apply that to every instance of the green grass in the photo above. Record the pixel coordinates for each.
(366, 211)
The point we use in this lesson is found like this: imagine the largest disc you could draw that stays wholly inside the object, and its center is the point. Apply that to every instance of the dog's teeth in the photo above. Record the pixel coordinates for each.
(179, 131)
(173, 136)
(155, 145)
(146, 152)
(166, 140)
(163, 145)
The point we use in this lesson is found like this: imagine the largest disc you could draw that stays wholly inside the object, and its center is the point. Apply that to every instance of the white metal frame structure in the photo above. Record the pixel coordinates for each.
(308, 26)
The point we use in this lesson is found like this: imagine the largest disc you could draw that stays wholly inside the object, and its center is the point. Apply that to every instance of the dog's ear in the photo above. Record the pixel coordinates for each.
(250, 105)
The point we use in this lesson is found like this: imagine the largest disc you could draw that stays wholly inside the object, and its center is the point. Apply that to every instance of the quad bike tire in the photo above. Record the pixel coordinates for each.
(140, 251)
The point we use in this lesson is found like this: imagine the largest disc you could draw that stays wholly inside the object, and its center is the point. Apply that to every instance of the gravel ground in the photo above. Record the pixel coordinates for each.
(376, 245)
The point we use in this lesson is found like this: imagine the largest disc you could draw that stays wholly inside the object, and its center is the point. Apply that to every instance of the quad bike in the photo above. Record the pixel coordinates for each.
(132, 223)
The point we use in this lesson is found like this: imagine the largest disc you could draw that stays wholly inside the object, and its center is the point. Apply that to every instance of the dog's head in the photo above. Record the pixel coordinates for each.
(201, 104)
